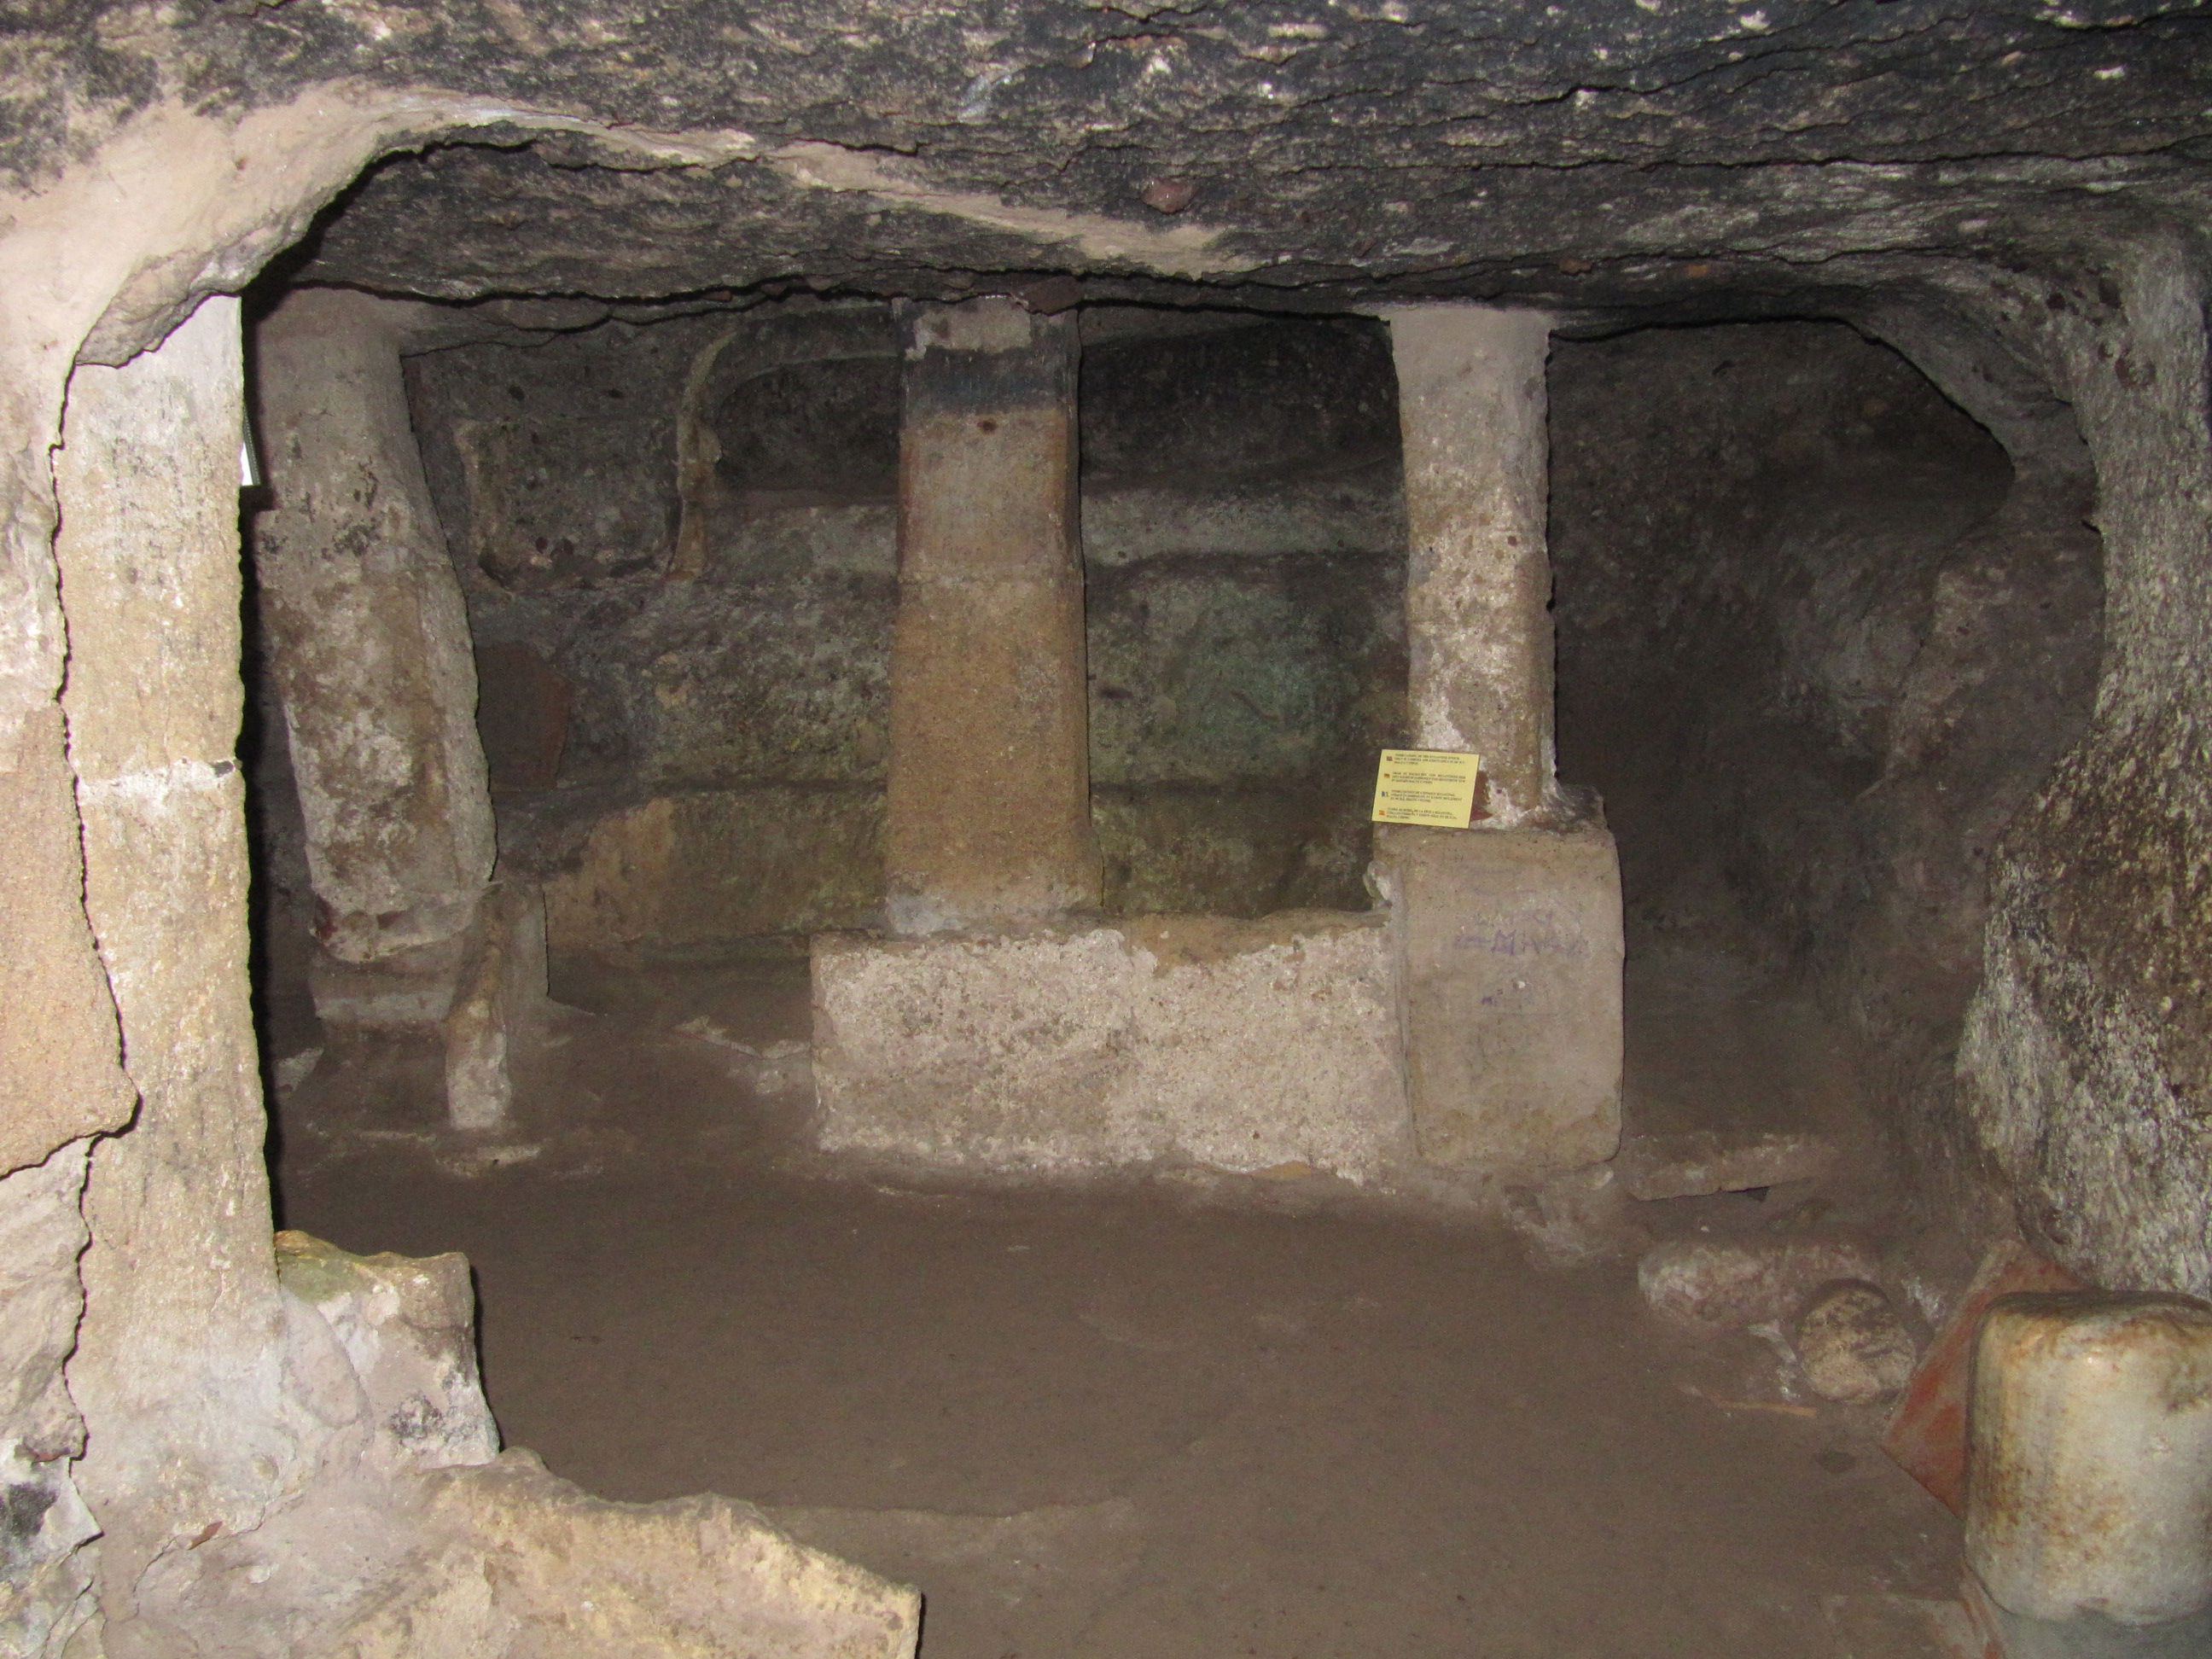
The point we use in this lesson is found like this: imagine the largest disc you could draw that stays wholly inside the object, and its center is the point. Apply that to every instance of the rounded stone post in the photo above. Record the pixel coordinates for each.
(987, 814)
(2089, 1471)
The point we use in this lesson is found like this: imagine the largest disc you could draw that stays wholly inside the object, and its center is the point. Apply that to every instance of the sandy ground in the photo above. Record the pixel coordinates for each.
(1135, 1423)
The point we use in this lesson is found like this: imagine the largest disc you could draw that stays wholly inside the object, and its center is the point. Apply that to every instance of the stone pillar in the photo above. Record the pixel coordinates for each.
(365, 635)
(1508, 935)
(1471, 408)
(988, 805)
(177, 1364)
(368, 639)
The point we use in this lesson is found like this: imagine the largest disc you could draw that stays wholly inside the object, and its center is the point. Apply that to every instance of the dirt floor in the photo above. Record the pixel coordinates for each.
(1155, 1421)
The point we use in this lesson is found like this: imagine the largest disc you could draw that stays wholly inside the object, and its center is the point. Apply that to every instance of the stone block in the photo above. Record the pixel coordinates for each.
(1701, 1162)
(2091, 1460)
(1171, 1039)
(1851, 1344)
(409, 987)
(1508, 946)
(517, 1564)
(499, 1006)
(407, 1326)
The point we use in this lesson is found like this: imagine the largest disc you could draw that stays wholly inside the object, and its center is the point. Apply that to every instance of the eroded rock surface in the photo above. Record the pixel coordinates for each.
(1295, 144)
(1851, 1344)
(1720, 1284)
(2012, 194)
(408, 1328)
(676, 539)
(517, 1564)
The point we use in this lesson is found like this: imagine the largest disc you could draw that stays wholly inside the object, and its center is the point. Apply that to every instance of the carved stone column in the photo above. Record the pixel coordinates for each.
(365, 635)
(988, 807)
(1508, 935)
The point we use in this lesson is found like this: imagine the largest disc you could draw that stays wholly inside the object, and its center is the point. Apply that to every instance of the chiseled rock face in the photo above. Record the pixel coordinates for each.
(676, 535)
(1819, 639)
(43, 1583)
(403, 1533)
(662, 878)
(517, 1564)
(1602, 151)
(2088, 1054)
(1171, 1040)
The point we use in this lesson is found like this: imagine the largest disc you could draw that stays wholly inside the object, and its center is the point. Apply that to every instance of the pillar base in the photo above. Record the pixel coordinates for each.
(407, 988)
(1193, 1040)
(2085, 1636)
(1508, 948)
(481, 993)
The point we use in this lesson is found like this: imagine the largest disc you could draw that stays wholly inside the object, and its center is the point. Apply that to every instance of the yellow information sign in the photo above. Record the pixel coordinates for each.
(1426, 785)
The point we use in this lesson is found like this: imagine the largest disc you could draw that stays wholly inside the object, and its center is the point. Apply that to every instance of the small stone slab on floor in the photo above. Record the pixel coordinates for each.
(1699, 1163)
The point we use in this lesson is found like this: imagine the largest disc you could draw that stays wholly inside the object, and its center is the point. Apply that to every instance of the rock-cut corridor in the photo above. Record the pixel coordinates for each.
(879, 830)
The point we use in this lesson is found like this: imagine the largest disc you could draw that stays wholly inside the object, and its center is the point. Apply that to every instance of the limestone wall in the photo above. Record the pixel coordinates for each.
(2088, 1056)
(1244, 533)
(1821, 641)
(678, 540)
(683, 688)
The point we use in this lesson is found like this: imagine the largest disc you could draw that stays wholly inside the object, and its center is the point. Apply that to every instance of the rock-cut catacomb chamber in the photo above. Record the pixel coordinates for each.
(693, 707)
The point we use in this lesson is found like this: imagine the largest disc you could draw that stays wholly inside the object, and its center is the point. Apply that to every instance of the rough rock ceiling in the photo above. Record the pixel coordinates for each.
(1602, 152)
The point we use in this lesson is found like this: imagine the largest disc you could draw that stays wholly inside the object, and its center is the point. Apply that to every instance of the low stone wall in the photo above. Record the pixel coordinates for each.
(1190, 1040)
